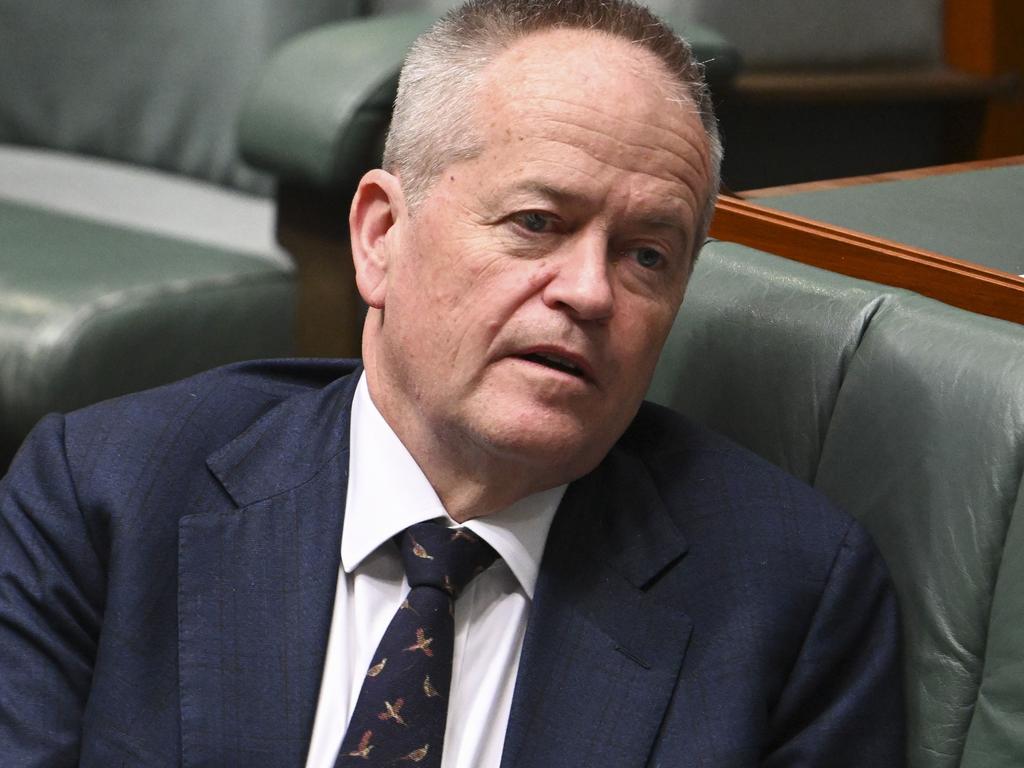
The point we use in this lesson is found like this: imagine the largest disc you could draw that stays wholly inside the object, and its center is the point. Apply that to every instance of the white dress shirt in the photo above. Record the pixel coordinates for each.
(387, 492)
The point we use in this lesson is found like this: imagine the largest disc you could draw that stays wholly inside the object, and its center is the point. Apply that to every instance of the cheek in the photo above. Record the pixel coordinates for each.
(643, 332)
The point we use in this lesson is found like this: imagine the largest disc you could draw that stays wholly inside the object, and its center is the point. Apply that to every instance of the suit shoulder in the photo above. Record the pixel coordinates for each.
(196, 415)
(700, 474)
(657, 429)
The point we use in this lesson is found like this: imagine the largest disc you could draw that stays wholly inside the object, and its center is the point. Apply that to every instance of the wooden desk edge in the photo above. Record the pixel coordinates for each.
(952, 281)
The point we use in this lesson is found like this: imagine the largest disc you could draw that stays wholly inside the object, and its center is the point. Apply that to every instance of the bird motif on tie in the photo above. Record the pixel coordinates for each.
(416, 755)
(363, 750)
(393, 711)
(428, 688)
(419, 551)
(402, 708)
(422, 643)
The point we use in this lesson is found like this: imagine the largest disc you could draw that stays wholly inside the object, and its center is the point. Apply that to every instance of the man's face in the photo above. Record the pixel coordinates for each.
(528, 297)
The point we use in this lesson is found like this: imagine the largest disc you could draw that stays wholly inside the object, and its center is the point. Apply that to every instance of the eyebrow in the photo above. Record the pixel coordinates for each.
(563, 196)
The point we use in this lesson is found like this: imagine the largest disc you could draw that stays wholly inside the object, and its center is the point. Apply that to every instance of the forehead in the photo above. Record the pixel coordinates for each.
(586, 58)
(585, 107)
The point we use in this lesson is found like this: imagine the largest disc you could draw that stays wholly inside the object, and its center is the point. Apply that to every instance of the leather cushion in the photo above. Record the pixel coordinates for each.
(89, 311)
(909, 414)
(926, 448)
(759, 350)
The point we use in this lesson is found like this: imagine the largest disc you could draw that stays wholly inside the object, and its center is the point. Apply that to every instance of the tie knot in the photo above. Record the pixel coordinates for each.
(446, 558)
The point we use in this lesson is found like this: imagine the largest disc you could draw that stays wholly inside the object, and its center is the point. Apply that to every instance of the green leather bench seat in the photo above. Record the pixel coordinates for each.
(909, 414)
(125, 114)
(152, 83)
(90, 310)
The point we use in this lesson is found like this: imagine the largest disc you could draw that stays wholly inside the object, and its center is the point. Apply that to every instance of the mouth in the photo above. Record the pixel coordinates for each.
(557, 361)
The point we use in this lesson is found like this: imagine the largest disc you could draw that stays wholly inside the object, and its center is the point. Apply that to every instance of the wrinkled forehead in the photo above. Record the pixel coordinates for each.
(587, 103)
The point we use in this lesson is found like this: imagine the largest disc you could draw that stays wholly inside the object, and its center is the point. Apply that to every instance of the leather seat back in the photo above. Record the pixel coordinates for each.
(910, 415)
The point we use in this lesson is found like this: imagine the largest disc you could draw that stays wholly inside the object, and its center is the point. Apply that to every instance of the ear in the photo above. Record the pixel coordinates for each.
(378, 206)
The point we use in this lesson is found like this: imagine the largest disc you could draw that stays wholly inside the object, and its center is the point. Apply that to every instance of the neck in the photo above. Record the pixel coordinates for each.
(470, 480)
(469, 490)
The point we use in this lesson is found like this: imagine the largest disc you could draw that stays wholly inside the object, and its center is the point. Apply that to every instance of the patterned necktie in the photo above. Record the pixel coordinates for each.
(402, 708)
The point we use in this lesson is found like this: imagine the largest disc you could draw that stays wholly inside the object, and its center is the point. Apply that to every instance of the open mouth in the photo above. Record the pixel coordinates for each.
(555, 362)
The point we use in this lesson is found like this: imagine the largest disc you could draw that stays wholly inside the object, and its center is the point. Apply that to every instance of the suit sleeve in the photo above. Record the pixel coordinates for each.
(843, 701)
(51, 605)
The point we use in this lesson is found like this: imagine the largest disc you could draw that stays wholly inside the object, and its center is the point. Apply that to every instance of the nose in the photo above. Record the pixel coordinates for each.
(581, 282)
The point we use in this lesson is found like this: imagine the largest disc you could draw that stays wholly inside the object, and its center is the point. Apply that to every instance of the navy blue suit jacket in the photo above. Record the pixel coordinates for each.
(168, 563)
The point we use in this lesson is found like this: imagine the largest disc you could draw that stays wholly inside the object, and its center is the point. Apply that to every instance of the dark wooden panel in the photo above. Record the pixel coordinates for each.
(984, 38)
(312, 225)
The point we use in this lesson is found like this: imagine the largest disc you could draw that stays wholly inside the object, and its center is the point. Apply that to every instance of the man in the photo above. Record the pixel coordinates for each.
(201, 574)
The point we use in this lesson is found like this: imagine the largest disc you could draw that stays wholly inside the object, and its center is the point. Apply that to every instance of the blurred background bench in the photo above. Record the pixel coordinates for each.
(135, 246)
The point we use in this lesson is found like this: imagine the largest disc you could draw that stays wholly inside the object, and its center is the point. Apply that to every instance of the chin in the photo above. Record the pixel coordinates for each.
(547, 445)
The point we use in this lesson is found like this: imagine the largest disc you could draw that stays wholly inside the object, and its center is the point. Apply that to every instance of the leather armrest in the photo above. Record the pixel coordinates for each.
(324, 100)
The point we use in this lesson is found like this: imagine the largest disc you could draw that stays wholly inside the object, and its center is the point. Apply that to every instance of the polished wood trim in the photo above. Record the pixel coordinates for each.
(875, 178)
(959, 283)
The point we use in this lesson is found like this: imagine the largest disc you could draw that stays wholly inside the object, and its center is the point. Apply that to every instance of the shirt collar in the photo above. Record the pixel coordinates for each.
(388, 492)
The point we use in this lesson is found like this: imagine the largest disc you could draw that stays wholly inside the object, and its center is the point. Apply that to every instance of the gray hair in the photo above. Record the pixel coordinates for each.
(443, 68)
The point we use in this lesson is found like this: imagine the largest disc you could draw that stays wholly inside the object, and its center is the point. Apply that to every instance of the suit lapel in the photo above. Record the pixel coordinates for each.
(256, 585)
(602, 655)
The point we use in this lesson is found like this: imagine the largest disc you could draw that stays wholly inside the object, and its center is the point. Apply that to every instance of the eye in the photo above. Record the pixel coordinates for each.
(534, 221)
(648, 258)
